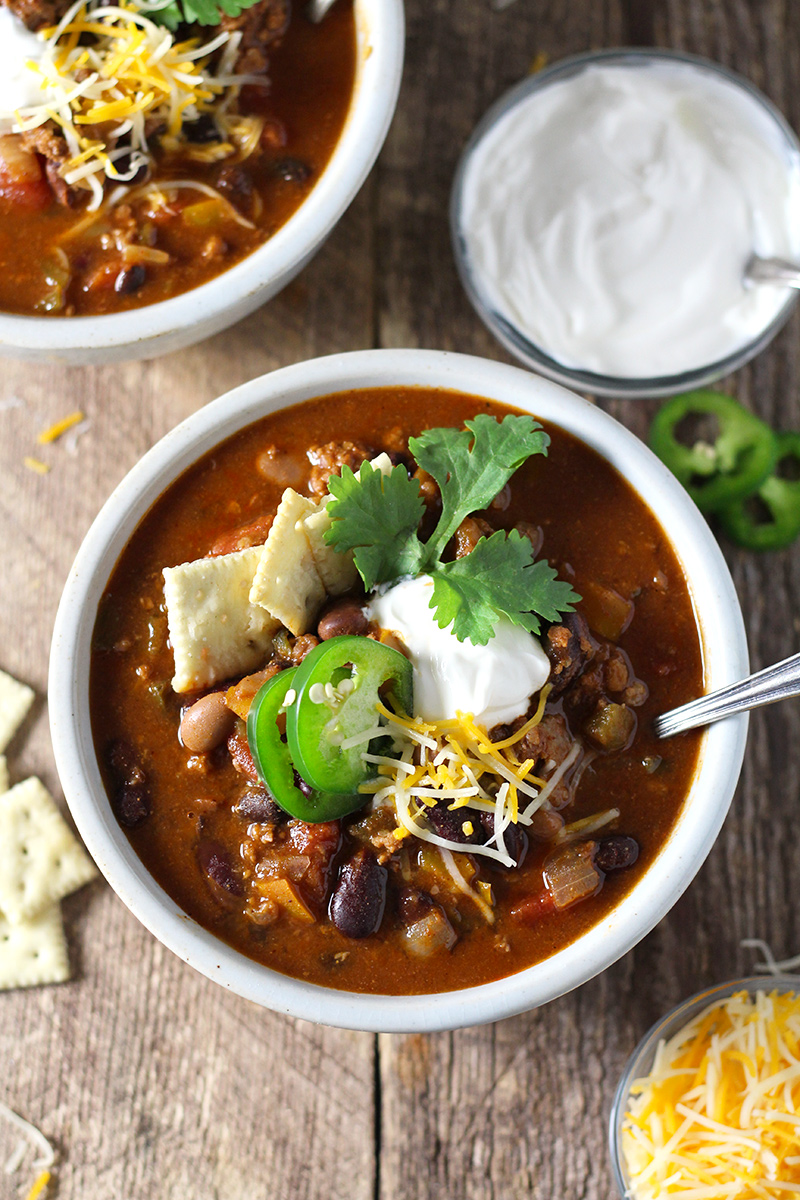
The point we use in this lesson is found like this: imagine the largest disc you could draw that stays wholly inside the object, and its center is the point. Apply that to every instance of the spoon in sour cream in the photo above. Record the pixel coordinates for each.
(778, 682)
(778, 271)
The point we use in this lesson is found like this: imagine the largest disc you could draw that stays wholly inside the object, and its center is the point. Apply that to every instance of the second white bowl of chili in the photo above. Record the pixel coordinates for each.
(505, 964)
(166, 284)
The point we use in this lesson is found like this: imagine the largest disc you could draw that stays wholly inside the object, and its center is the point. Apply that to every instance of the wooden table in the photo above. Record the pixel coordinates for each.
(152, 1081)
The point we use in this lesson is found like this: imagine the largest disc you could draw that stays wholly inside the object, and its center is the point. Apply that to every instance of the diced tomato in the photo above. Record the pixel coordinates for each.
(533, 908)
(22, 180)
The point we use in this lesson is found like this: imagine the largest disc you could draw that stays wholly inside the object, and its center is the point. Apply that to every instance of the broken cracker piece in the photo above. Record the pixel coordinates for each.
(337, 569)
(33, 951)
(40, 858)
(287, 583)
(15, 701)
(215, 630)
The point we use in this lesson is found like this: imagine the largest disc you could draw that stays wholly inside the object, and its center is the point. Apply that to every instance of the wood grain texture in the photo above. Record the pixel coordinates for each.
(155, 1082)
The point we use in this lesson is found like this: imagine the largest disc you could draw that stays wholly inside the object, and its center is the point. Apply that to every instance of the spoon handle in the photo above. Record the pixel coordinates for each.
(773, 270)
(777, 682)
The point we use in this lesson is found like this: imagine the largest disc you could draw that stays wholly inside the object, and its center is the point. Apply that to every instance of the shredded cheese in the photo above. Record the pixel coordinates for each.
(719, 1113)
(36, 464)
(55, 431)
(455, 761)
(109, 65)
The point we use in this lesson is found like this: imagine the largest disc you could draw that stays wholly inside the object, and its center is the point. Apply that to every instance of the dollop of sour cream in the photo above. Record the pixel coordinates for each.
(19, 85)
(493, 682)
(609, 216)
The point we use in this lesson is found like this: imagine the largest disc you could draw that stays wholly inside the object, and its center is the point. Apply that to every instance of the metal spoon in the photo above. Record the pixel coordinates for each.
(778, 682)
(772, 270)
(317, 9)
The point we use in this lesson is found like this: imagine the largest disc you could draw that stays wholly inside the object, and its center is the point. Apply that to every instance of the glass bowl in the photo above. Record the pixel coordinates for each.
(641, 1061)
(513, 338)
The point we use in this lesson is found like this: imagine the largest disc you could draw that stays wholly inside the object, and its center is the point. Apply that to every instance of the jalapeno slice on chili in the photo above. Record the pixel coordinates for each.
(769, 519)
(274, 762)
(338, 687)
(715, 473)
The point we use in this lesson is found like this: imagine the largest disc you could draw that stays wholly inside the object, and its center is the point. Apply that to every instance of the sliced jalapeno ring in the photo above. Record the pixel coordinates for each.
(338, 688)
(274, 762)
(715, 473)
(769, 519)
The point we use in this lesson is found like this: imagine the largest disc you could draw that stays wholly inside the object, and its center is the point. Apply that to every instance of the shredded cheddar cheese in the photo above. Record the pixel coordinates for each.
(109, 73)
(36, 464)
(456, 761)
(55, 431)
(719, 1114)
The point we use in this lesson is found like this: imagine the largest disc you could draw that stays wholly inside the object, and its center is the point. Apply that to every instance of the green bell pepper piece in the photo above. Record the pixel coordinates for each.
(338, 686)
(717, 473)
(274, 762)
(777, 523)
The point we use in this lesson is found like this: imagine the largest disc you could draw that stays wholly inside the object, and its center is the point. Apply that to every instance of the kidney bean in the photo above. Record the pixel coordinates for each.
(343, 617)
(130, 798)
(292, 170)
(206, 723)
(359, 898)
(214, 862)
(616, 852)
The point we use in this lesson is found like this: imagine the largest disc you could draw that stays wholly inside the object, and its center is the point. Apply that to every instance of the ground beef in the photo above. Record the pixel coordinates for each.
(570, 648)
(50, 146)
(259, 26)
(329, 459)
(36, 14)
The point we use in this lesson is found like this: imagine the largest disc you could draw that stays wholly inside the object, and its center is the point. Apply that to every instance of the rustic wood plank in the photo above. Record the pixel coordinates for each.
(521, 1108)
(150, 1079)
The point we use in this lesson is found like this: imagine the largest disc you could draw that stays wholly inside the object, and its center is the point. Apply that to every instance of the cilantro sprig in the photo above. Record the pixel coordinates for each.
(377, 516)
(196, 12)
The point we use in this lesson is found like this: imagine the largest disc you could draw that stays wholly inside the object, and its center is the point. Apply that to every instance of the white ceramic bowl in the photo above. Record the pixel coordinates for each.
(205, 310)
(724, 649)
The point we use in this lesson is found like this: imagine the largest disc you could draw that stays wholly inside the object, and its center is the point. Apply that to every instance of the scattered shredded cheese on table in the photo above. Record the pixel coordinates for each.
(719, 1114)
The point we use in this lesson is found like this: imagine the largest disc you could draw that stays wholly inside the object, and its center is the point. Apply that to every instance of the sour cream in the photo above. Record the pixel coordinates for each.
(19, 85)
(493, 682)
(608, 215)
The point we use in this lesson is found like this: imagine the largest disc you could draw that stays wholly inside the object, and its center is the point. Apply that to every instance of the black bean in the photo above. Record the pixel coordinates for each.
(516, 840)
(359, 898)
(343, 617)
(132, 805)
(130, 279)
(292, 170)
(616, 852)
(213, 861)
(203, 130)
(256, 804)
(449, 823)
(122, 166)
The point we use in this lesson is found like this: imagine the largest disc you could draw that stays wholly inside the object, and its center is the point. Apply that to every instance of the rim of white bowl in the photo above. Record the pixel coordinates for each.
(380, 31)
(725, 656)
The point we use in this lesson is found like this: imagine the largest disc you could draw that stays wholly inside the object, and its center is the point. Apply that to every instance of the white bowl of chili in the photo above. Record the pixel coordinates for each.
(192, 311)
(445, 1000)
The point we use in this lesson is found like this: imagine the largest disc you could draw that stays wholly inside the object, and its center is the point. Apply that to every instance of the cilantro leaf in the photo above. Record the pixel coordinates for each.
(498, 579)
(377, 517)
(197, 12)
(472, 465)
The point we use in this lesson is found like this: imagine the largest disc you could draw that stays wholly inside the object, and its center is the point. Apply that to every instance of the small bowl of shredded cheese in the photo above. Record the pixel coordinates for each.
(709, 1104)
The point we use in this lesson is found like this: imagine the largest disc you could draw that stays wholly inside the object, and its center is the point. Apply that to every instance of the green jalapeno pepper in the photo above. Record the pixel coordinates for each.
(274, 762)
(717, 473)
(777, 523)
(338, 686)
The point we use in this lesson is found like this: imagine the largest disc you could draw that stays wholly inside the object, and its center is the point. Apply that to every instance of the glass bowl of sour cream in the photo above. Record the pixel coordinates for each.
(604, 211)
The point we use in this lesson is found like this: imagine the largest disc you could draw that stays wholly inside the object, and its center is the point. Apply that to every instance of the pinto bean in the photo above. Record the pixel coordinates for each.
(343, 617)
(359, 897)
(206, 724)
